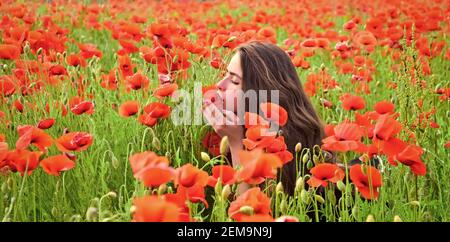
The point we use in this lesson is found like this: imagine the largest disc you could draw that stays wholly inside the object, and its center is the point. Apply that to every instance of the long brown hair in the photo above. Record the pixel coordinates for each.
(267, 67)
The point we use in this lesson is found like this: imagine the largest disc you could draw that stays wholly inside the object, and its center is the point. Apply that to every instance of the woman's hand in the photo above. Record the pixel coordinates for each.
(224, 122)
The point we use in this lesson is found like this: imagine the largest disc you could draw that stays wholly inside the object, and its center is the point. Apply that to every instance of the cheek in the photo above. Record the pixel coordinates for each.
(231, 100)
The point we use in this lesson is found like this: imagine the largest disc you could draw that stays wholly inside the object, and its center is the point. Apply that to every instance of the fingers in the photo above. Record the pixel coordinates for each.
(231, 118)
(213, 115)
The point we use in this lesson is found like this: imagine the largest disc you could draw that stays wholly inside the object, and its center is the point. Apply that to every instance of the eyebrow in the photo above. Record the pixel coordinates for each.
(234, 74)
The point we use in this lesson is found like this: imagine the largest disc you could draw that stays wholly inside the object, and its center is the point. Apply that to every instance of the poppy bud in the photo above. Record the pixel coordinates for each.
(5, 67)
(397, 219)
(59, 56)
(316, 159)
(415, 203)
(299, 184)
(205, 157)
(319, 198)
(226, 191)
(54, 212)
(310, 165)
(91, 214)
(4, 187)
(169, 190)
(111, 194)
(305, 157)
(75, 218)
(247, 210)
(298, 147)
(283, 207)
(218, 187)
(279, 188)
(39, 51)
(340, 185)
(132, 209)
(115, 162)
(232, 38)
(156, 143)
(26, 48)
(224, 145)
(355, 211)
(162, 189)
(304, 196)
(370, 218)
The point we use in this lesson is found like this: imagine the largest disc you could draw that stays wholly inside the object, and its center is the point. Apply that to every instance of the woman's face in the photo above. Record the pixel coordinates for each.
(231, 85)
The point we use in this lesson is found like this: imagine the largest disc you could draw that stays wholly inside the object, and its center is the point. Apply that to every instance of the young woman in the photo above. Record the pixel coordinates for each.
(264, 66)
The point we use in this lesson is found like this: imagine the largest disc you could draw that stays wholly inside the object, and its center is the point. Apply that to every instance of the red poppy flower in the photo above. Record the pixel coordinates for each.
(386, 127)
(125, 66)
(79, 106)
(137, 81)
(275, 113)
(147, 120)
(189, 175)
(18, 105)
(129, 46)
(53, 165)
(129, 108)
(7, 85)
(326, 103)
(257, 166)
(75, 60)
(225, 172)
(346, 137)
(365, 40)
(46, 123)
(23, 161)
(157, 110)
(253, 198)
(258, 137)
(3, 154)
(155, 209)
(350, 102)
(30, 135)
(253, 119)
(109, 81)
(447, 145)
(57, 70)
(151, 169)
(349, 25)
(160, 29)
(216, 63)
(367, 179)
(74, 141)
(194, 194)
(165, 90)
(9, 52)
(384, 107)
(210, 95)
(211, 141)
(279, 148)
(89, 50)
(324, 172)
(410, 156)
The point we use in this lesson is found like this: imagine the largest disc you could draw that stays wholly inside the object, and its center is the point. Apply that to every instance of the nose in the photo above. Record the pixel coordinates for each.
(221, 85)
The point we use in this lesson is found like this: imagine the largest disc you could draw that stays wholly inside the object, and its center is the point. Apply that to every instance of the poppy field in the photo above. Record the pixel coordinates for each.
(89, 91)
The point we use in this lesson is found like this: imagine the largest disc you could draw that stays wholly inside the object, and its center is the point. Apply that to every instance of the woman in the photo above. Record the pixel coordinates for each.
(265, 66)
